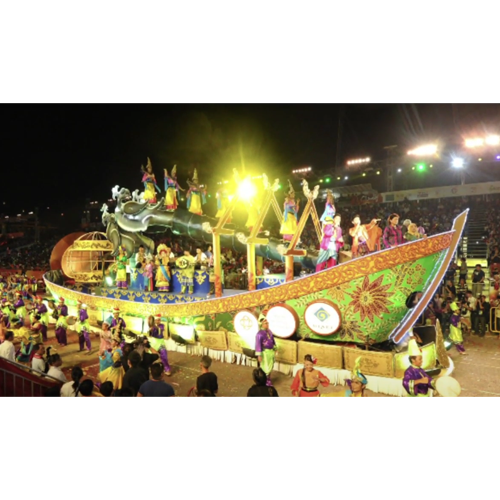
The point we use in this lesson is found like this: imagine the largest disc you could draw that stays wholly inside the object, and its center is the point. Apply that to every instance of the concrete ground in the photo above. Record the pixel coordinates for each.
(478, 372)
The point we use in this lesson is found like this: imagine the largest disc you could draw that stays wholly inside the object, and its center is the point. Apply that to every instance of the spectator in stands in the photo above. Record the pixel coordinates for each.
(85, 389)
(482, 316)
(207, 380)
(136, 375)
(477, 280)
(450, 290)
(37, 362)
(7, 349)
(461, 289)
(156, 387)
(68, 390)
(463, 269)
(55, 371)
(471, 306)
(260, 389)
(106, 389)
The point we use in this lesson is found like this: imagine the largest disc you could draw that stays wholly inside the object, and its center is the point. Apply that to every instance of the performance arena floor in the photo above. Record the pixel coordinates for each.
(478, 373)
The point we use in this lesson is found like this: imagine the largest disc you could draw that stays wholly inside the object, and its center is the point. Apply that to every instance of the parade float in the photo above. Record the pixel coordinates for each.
(357, 307)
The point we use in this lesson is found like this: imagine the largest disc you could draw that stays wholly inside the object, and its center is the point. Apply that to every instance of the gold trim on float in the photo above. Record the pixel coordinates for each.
(372, 263)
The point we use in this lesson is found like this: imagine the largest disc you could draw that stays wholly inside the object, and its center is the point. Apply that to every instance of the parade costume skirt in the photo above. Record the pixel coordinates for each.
(171, 199)
(267, 363)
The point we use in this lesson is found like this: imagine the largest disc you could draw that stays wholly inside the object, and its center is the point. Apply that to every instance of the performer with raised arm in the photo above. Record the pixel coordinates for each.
(328, 247)
(265, 349)
(149, 181)
(307, 380)
(196, 195)
(157, 340)
(163, 274)
(329, 206)
(171, 189)
(290, 214)
(416, 381)
(360, 234)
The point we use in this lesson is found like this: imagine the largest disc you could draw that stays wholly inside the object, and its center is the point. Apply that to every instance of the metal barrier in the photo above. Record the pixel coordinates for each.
(493, 322)
(17, 380)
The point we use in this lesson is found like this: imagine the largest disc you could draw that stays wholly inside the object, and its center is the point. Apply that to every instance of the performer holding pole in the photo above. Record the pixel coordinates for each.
(265, 349)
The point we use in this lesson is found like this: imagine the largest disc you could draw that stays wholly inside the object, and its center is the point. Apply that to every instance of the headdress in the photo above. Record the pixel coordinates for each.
(174, 172)
(413, 349)
(195, 176)
(84, 306)
(356, 375)
(116, 310)
(262, 318)
(39, 297)
(161, 248)
(149, 164)
(290, 188)
(158, 316)
(407, 222)
(61, 299)
(313, 359)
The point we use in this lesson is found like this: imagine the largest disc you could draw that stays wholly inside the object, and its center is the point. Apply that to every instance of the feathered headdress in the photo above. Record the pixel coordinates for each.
(356, 375)
(262, 318)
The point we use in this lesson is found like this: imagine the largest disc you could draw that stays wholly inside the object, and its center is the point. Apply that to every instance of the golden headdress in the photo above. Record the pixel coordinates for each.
(356, 375)
(290, 190)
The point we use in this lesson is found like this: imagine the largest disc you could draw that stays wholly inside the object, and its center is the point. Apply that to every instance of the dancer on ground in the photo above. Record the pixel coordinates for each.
(265, 349)
(62, 323)
(42, 310)
(83, 327)
(105, 335)
(157, 340)
(456, 328)
(307, 380)
(416, 381)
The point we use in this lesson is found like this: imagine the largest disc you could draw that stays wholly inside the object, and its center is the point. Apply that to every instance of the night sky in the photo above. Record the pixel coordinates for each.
(62, 154)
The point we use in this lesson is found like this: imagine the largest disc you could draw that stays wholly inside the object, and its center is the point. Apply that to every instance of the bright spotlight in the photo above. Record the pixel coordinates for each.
(109, 281)
(474, 143)
(457, 163)
(399, 170)
(346, 177)
(247, 190)
(427, 150)
(493, 140)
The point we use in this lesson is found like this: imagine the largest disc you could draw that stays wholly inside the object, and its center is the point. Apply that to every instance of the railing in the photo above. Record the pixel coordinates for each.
(493, 322)
(17, 380)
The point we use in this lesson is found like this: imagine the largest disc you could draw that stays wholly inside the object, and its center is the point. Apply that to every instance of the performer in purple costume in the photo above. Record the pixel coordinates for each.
(43, 312)
(19, 306)
(83, 328)
(62, 324)
(157, 332)
(265, 349)
(416, 381)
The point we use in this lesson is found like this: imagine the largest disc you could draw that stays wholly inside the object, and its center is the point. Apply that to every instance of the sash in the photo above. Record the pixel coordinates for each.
(164, 272)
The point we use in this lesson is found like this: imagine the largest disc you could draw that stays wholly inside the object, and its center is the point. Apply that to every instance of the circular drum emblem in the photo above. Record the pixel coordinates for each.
(246, 324)
(322, 317)
(283, 321)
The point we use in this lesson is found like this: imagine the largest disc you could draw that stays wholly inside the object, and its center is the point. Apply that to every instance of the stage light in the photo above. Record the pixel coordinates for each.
(479, 159)
(338, 178)
(474, 143)
(279, 186)
(399, 170)
(421, 167)
(109, 281)
(358, 161)
(364, 174)
(378, 172)
(345, 178)
(321, 180)
(327, 179)
(427, 150)
(413, 168)
(457, 163)
(498, 158)
(493, 140)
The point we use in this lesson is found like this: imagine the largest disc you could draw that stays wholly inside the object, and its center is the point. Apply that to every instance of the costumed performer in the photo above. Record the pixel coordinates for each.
(117, 323)
(329, 206)
(412, 234)
(360, 234)
(357, 384)
(20, 306)
(393, 235)
(149, 181)
(196, 195)
(83, 328)
(265, 349)
(25, 352)
(113, 373)
(105, 336)
(337, 234)
(171, 189)
(107, 356)
(42, 310)
(62, 322)
(222, 203)
(163, 274)
(185, 264)
(416, 381)
(456, 328)
(148, 275)
(328, 248)
(307, 380)
(121, 266)
(289, 222)
(157, 340)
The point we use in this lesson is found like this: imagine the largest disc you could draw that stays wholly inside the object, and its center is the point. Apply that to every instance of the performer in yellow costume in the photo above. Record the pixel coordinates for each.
(196, 195)
(163, 274)
(121, 266)
(149, 181)
(289, 223)
(222, 203)
(171, 189)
